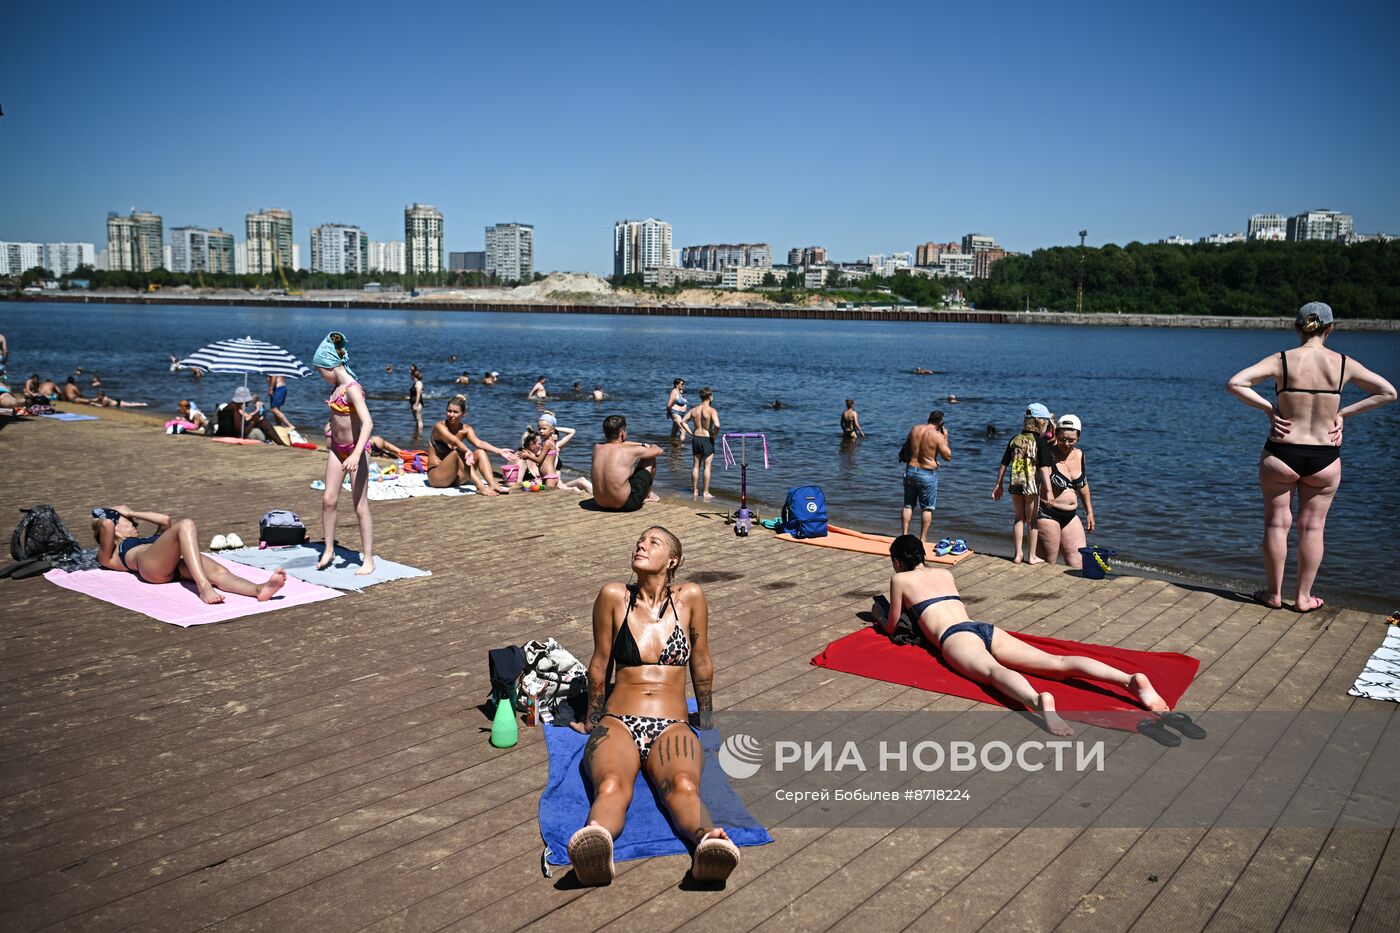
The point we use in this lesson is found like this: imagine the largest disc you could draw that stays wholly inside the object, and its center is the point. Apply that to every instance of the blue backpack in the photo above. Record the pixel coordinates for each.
(804, 512)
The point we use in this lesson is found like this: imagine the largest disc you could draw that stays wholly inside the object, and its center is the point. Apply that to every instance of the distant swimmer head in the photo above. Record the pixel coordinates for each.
(1315, 317)
(907, 552)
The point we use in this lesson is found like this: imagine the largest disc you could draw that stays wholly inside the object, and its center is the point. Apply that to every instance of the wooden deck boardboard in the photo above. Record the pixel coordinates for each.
(357, 771)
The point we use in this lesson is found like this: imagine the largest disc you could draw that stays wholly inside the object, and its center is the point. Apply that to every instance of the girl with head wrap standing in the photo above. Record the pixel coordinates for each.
(349, 435)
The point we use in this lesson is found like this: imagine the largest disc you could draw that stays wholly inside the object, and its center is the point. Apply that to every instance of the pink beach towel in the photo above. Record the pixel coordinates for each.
(178, 603)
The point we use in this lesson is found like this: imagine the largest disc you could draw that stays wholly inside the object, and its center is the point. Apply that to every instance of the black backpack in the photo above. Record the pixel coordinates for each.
(40, 534)
(505, 666)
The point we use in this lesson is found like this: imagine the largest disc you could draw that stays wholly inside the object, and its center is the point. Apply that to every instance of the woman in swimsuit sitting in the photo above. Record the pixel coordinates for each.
(171, 554)
(1062, 484)
(349, 433)
(675, 409)
(979, 650)
(1303, 452)
(649, 632)
(451, 462)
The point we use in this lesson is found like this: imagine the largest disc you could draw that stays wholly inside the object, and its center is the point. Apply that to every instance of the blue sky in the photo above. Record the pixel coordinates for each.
(861, 127)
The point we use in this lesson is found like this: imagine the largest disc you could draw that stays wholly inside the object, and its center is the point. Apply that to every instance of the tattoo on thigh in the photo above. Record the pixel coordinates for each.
(595, 738)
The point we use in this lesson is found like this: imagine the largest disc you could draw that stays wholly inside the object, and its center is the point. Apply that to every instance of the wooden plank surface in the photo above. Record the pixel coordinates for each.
(325, 766)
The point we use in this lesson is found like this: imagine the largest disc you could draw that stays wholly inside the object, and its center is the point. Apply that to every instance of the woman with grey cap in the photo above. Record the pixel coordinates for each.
(1303, 452)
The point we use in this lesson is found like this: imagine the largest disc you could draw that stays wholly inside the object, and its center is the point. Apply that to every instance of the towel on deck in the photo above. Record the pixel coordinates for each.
(412, 487)
(845, 539)
(870, 653)
(300, 562)
(565, 802)
(1380, 679)
(179, 603)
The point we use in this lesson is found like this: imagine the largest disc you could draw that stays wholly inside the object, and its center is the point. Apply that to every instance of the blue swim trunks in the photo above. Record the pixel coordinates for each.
(920, 488)
(278, 398)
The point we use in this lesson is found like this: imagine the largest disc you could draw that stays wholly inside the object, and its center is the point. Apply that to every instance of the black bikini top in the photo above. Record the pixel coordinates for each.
(1062, 482)
(1341, 379)
(676, 651)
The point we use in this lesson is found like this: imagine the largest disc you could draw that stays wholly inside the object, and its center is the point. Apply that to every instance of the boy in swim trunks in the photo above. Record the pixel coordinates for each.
(702, 441)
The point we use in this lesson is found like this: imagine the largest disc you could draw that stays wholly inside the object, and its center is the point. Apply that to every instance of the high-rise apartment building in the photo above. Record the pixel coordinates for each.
(339, 249)
(194, 249)
(984, 259)
(150, 241)
(807, 256)
(926, 254)
(422, 235)
(270, 241)
(716, 257)
(1320, 225)
(135, 243)
(1267, 227)
(975, 242)
(65, 258)
(19, 258)
(639, 245)
(386, 256)
(510, 252)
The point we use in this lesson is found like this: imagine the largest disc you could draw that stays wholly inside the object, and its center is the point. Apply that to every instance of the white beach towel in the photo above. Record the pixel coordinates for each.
(1380, 679)
(412, 486)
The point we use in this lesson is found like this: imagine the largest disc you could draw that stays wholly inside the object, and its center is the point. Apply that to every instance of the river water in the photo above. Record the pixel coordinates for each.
(1171, 457)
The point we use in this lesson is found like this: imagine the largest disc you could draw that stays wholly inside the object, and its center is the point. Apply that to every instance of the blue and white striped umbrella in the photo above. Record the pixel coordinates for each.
(246, 355)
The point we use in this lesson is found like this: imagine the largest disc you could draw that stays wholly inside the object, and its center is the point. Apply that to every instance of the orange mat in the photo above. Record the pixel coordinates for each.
(847, 539)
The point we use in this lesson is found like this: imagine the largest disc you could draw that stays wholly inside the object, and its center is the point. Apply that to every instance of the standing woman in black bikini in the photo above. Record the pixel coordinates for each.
(650, 632)
(171, 554)
(1303, 452)
(1062, 484)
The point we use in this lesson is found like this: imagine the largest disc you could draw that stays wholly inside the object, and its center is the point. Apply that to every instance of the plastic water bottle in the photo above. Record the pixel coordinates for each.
(504, 730)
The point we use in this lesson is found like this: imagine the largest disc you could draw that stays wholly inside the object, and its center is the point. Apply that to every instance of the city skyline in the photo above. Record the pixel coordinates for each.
(1132, 125)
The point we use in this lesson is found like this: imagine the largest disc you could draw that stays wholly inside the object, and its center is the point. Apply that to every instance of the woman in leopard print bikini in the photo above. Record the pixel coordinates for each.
(644, 726)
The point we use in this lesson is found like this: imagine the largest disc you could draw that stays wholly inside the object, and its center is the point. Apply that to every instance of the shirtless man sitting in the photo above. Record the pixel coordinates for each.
(71, 392)
(623, 471)
(926, 443)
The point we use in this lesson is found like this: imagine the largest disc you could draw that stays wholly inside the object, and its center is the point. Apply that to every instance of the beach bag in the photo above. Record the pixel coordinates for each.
(552, 675)
(41, 534)
(280, 528)
(804, 512)
(1023, 463)
(505, 666)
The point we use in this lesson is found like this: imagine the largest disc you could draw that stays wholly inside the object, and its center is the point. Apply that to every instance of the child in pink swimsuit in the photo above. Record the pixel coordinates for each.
(349, 435)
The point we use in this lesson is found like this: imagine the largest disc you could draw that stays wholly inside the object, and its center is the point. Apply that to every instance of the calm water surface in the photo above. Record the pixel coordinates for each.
(1171, 457)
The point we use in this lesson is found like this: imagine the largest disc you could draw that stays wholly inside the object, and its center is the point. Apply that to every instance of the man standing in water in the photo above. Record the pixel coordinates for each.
(702, 441)
(623, 471)
(924, 445)
(276, 398)
(850, 421)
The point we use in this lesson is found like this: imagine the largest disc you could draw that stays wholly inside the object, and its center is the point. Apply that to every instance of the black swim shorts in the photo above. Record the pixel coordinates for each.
(702, 447)
(640, 483)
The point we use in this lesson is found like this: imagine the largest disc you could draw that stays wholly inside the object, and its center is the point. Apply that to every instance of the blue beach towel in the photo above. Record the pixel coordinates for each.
(300, 562)
(70, 416)
(565, 801)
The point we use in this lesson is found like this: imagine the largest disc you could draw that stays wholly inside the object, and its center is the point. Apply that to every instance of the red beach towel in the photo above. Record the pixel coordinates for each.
(870, 653)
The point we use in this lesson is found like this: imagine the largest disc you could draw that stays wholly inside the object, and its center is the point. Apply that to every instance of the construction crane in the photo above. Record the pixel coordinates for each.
(281, 274)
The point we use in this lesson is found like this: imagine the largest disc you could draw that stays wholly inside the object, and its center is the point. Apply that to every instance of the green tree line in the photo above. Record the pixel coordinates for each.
(1251, 279)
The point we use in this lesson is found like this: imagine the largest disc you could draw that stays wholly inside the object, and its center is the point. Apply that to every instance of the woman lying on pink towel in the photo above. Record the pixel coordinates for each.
(171, 554)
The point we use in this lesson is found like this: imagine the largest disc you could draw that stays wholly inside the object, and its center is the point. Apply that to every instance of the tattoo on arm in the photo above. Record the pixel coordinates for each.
(597, 700)
(704, 703)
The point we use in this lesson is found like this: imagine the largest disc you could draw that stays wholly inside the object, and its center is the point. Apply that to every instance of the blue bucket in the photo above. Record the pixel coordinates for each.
(1093, 569)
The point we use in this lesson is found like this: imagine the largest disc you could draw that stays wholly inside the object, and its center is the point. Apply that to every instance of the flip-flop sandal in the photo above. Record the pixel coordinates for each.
(591, 854)
(715, 859)
(17, 566)
(959, 547)
(32, 570)
(1303, 612)
(942, 548)
(1154, 730)
(1184, 724)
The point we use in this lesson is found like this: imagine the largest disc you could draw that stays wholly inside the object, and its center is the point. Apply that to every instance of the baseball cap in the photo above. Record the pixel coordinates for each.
(241, 394)
(1037, 410)
(1323, 312)
(1070, 422)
